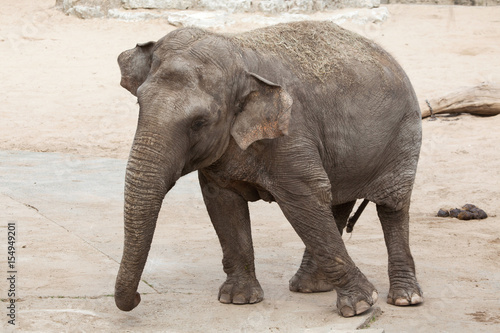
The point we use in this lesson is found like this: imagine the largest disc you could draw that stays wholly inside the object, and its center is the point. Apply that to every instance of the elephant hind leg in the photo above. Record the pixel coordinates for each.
(404, 288)
(310, 278)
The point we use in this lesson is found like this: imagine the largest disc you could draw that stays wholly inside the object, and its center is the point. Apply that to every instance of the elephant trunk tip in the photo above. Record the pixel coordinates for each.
(124, 304)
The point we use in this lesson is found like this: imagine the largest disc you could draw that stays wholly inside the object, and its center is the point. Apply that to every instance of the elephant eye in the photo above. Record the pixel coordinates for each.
(198, 123)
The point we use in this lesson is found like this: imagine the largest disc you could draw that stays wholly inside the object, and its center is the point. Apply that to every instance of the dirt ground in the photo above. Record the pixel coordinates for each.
(63, 113)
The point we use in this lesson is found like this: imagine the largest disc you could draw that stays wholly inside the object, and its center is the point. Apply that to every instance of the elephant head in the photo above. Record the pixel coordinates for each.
(196, 97)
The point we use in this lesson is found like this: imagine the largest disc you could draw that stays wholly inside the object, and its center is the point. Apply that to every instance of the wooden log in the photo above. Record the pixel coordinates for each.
(481, 100)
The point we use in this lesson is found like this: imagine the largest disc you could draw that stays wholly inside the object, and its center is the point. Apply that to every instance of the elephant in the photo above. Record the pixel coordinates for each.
(306, 114)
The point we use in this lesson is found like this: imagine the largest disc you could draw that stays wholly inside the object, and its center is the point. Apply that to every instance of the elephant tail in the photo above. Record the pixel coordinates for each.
(353, 219)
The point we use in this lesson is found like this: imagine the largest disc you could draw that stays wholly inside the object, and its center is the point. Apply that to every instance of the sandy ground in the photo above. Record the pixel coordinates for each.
(61, 101)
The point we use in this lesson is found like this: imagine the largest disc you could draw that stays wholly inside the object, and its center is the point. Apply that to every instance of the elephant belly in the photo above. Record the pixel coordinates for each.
(252, 192)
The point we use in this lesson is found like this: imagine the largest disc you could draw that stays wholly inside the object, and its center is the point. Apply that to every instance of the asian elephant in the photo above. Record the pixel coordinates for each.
(306, 114)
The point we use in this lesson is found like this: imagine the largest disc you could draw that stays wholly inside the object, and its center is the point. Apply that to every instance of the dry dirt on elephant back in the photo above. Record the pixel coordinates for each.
(61, 94)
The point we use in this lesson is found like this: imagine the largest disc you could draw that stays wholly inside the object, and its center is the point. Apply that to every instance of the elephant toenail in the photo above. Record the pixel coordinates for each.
(347, 311)
(402, 302)
(239, 299)
(255, 298)
(361, 307)
(416, 299)
(375, 296)
(225, 298)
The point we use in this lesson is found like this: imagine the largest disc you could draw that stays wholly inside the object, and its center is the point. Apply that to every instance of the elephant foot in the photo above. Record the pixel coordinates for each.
(303, 282)
(241, 291)
(357, 298)
(405, 295)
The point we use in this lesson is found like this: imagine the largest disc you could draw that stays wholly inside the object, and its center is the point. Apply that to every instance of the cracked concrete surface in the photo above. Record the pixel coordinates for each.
(68, 213)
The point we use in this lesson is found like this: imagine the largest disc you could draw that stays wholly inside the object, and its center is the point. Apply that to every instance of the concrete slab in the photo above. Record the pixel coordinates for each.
(68, 215)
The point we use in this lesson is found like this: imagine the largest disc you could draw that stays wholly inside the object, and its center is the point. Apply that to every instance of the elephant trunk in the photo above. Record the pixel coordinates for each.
(152, 171)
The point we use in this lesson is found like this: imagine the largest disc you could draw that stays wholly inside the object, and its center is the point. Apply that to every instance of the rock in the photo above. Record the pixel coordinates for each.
(87, 8)
(270, 20)
(86, 12)
(369, 3)
(158, 4)
(135, 16)
(362, 17)
(343, 17)
(280, 6)
(360, 3)
(379, 15)
(226, 5)
(199, 19)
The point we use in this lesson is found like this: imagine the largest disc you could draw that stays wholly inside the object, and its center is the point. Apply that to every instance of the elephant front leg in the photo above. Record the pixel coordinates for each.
(310, 278)
(306, 202)
(231, 220)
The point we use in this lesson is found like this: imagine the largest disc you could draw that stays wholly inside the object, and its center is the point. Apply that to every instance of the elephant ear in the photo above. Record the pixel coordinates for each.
(265, 114)
(135, 65)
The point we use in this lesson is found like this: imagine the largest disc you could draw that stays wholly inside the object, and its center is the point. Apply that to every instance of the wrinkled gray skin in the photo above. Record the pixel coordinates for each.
(255, 128)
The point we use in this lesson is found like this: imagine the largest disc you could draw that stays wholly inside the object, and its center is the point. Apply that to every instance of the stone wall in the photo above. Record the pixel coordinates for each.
(116, 8)
(446, 2)
(266, 6)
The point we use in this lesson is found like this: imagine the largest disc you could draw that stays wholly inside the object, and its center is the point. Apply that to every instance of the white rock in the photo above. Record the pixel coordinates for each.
(226, 5)
(369, 3)
(302, 6)
(379, 15)
(270, 6)
(199, 19)
(270, 20)
(362, 17)
(343, 17)
(85, 12)
(280, 6)
(158, 4)
(134, 16)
